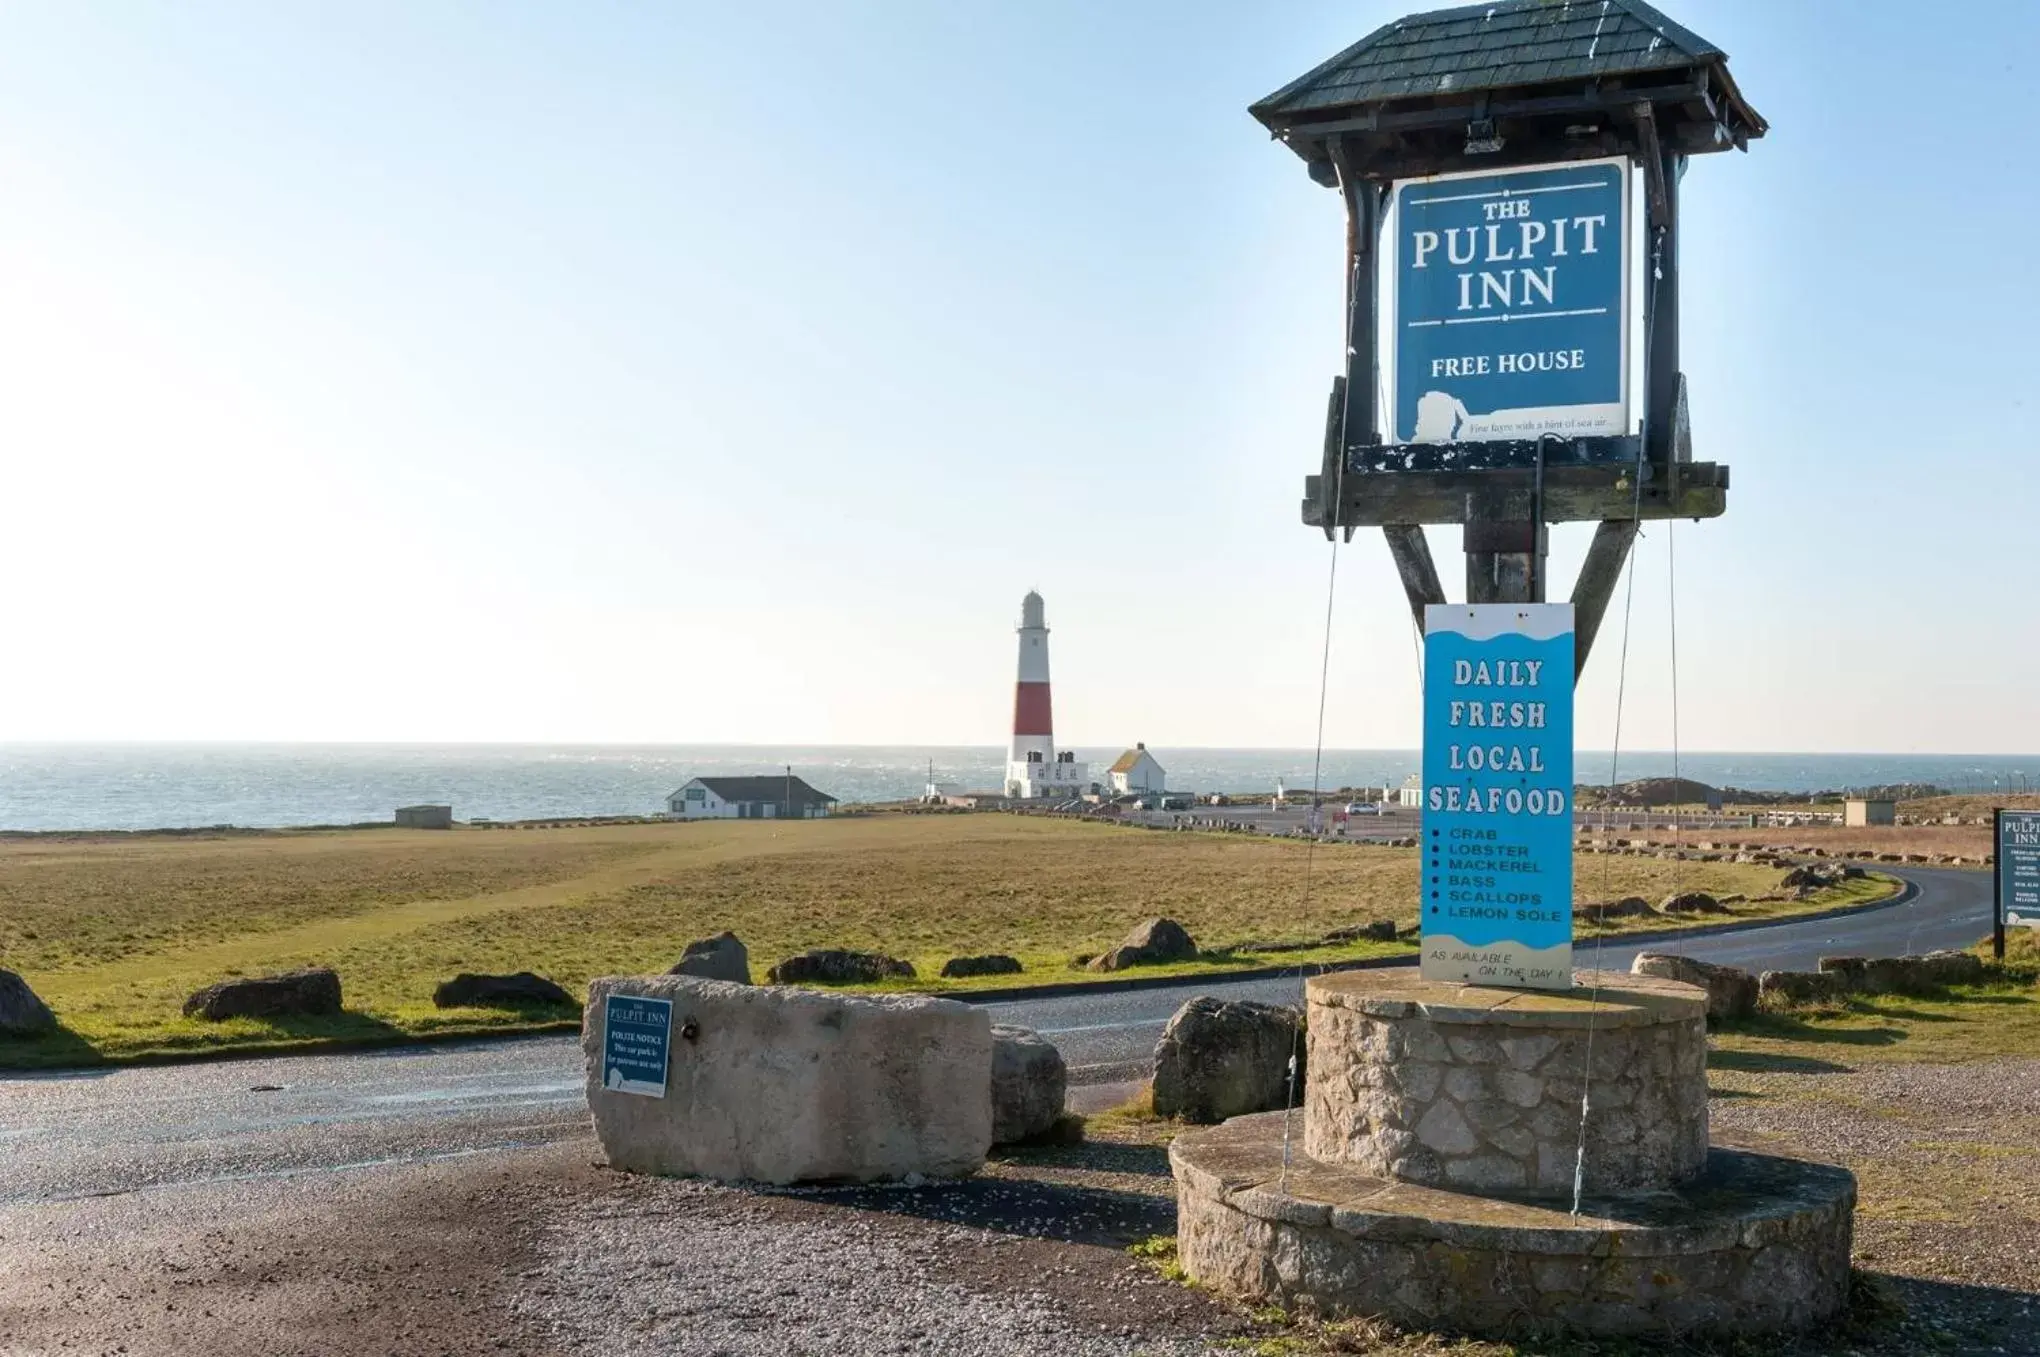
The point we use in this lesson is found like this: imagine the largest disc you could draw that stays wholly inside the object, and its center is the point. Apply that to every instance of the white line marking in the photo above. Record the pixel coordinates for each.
(1506, 193)
(1523, 315)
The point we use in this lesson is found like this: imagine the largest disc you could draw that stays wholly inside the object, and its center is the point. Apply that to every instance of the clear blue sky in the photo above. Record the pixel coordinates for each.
(727, 372)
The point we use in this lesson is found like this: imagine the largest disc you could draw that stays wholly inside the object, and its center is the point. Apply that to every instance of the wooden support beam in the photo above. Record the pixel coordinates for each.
(1412, 553)
(1653, 157)
(1572, 494)
(1598, 576)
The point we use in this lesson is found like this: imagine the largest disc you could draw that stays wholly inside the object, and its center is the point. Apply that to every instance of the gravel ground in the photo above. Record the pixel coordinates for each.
(693, 1268)
(1948, 1160)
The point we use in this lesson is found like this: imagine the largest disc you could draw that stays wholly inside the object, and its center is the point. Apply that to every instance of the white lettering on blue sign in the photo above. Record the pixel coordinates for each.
(636, 1037)
(1510, 302)
(2018, 867)
(1496, 900)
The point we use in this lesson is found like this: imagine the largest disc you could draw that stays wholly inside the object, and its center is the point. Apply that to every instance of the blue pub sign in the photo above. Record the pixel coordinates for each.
(637, 1033)
(1510, 296)
(1497, 883)
(2018, 867)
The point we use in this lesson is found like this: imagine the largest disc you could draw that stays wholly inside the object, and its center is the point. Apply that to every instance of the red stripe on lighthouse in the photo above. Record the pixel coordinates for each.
(1030, 709)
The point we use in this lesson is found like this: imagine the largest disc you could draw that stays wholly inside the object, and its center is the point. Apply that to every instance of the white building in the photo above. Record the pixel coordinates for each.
(773, 797)
(1412, 793)
(1136, 771)
(1034, 768)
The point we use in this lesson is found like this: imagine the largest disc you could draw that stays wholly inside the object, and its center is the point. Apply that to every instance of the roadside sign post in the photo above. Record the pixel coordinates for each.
(1511, 182)
(637, 1034)
(2015, 874)
(1498, 780)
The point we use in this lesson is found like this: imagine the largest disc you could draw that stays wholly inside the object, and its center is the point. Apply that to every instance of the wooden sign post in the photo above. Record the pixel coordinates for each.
(1511, 180)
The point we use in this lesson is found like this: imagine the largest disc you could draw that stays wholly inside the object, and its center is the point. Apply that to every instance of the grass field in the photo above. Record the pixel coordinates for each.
(113, 931)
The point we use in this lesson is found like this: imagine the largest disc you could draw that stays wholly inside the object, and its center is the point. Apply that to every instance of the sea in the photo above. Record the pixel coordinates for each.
(166, 786)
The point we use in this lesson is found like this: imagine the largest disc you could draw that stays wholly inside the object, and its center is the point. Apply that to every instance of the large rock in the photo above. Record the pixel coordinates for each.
(1629, 907)
(1380, 930)
(959, 967)
(826, 966)
(1731, 992)
(1803, 987)
(1692, 902)
(293, 994)
(1220, 1058)
(1920, 975)
(783, 1085)
(1029, 1083)
(1150, 943)
(498, 991)
(721, 957)
(21, 1013)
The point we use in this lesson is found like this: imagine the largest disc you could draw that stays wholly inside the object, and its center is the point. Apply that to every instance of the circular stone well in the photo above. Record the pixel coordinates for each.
(1429, 1178)
(1477, 1088)
(1756, 1243)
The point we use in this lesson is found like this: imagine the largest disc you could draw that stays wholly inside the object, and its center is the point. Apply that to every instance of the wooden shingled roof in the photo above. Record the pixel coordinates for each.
(1512, 51)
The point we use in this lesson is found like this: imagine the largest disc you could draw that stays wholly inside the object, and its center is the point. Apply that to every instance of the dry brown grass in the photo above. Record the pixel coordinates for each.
(114, 931)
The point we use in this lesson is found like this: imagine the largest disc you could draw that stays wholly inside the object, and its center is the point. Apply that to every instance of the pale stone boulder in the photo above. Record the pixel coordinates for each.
(1731, 992)
(1029, 1084)
(783, 1085)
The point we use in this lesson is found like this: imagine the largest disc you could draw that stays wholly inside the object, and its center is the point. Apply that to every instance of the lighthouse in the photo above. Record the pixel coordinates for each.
(1033, 767)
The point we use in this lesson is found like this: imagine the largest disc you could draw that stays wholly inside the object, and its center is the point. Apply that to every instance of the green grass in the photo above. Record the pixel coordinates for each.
(114, 931)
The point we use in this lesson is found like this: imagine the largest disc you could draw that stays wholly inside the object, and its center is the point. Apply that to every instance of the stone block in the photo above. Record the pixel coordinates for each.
(783, 1085)
(1029, 1084)
(1803, 987)
(1731, 991)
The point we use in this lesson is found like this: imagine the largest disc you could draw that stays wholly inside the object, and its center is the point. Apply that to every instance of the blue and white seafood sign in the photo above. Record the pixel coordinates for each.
(1497, 884)
(1509, 304)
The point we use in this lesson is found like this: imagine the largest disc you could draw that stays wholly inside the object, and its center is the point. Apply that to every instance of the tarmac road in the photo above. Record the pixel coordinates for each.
(112, 1132)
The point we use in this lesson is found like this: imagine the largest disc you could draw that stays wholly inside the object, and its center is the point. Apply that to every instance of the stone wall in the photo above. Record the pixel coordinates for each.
(784, 1085)
(1479, 1089)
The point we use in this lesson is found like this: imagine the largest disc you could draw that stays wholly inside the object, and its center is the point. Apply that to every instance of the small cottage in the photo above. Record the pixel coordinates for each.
(1136, 771)
(773, 797)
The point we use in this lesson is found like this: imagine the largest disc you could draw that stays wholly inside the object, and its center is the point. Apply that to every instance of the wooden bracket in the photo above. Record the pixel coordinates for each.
(1412, 553)
(1598, 574)
(1334, 475)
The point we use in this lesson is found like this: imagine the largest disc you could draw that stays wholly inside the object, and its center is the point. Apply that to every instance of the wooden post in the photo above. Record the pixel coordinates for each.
(1661, 381)
(1505, 547)
(1997, 884)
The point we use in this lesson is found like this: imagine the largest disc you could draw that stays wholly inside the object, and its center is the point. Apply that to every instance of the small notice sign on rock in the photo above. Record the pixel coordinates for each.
(636, 1033)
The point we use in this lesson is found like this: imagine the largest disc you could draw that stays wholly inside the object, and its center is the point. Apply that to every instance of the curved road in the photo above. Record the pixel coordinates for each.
(106, 1132)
